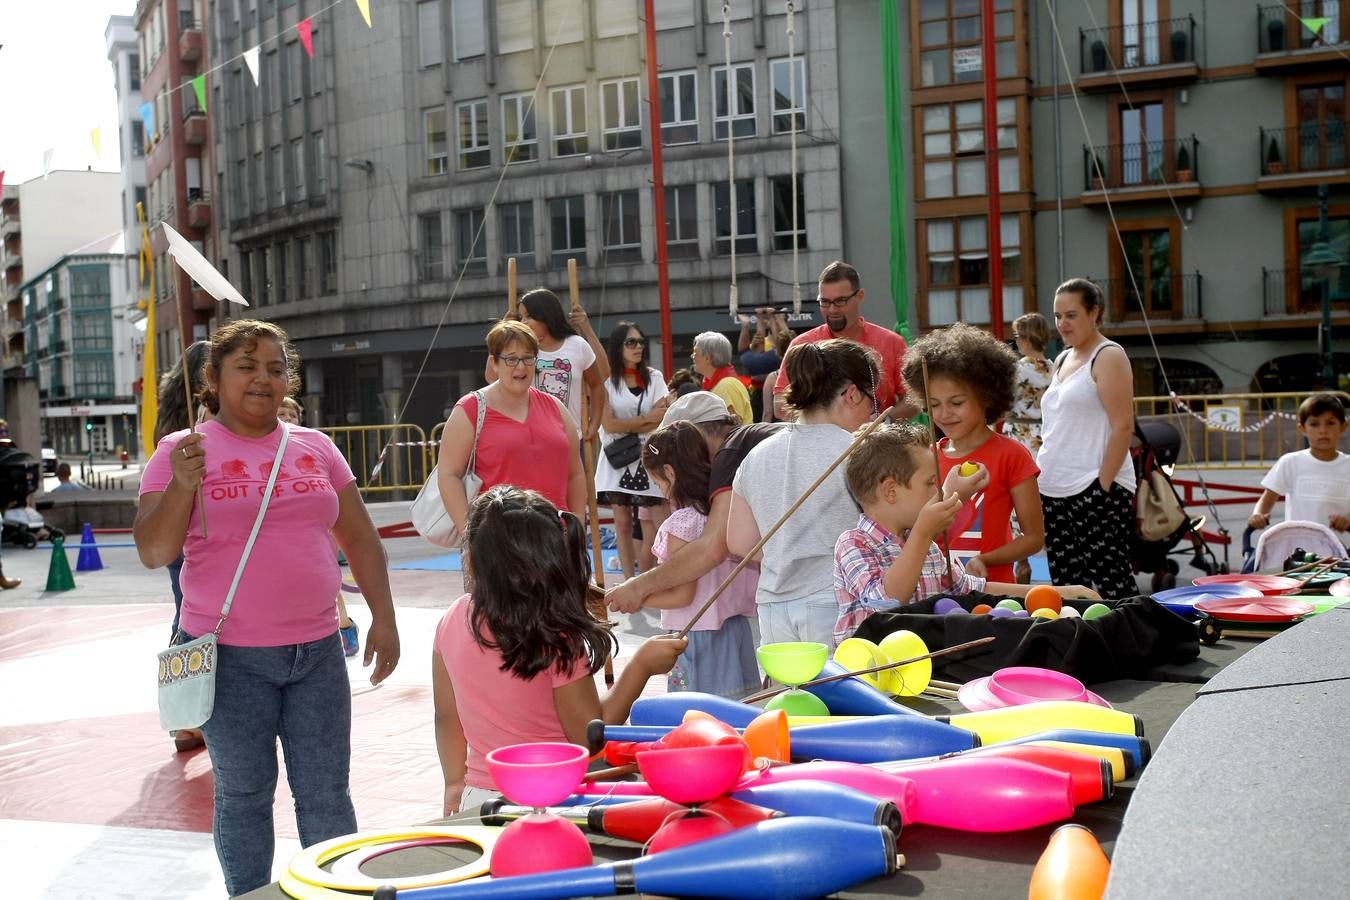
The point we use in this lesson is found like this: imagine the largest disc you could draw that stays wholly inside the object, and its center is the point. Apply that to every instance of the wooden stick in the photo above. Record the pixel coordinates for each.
(946, 685)
(754, 551)
(937, 464)
(588, 454)
(944, 693)
(611, 773)
(978, 642)
(511, 297)
(187, 380)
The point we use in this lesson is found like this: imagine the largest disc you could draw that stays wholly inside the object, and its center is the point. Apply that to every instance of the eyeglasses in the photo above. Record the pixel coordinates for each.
(514, 362)
(635, 342)
(836, 303)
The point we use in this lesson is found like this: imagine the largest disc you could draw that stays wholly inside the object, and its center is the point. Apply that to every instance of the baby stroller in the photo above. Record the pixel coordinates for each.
(24, 525)
(1286, 539)
(20, 475)
(1158, 445)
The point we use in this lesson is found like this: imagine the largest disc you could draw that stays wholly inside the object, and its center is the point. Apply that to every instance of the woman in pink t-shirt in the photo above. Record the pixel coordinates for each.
(280, 674)
(514, 658)
(528, 439)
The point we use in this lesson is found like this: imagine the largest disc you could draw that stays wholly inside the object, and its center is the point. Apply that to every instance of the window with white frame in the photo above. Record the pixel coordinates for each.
(304, 268)
(429, 52)
(517, 220)
(431, 248)
(621, 114)
(469, 28)
(320, 164)
(679, 108)
(328, 266)
(746, 240)
(615, 18)
(564, 21)
(956, 253)
(620, 228)
(295, 75)
(281, 277)
(742, 116)
(259, 181)
(782, 213)
(568, 105)
(953, 148)
(682, 222)
(567, 229)
(788, 80)
(298, 168)
(433, 128)
(262, 273)
(470, 240)
(520, 140)
(515, 25)
(473, 142)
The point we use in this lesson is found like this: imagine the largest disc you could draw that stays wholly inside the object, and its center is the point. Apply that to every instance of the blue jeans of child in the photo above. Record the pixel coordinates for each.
(300, 694)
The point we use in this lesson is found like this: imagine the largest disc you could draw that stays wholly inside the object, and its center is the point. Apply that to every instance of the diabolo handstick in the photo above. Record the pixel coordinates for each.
(1073, 867)
(1010, 722)
(511, 287)
(781, 859)
(635, 820)
(937, 466)
(753, 553)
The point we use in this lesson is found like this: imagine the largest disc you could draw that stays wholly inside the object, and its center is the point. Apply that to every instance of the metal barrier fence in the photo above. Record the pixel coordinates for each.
(1234, 431)
(405, 467)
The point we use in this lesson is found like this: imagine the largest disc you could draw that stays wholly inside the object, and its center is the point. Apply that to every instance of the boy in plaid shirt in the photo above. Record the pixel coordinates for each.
(890, 558)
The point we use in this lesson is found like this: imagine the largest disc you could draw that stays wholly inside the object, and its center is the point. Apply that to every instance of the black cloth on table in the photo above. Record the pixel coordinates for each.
(1131, 640)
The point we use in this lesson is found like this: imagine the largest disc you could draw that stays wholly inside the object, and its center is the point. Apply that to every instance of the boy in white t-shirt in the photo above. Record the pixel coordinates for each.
(1315, 483)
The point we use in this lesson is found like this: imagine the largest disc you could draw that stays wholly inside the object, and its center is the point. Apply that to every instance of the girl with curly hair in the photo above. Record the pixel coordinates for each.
(970, 386)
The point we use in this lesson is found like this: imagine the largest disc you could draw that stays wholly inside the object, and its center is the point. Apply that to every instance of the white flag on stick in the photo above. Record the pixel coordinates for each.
(251, 60)
(199, 269)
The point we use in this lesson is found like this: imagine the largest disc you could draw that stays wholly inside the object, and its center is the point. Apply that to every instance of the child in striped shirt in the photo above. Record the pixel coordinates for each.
(890, 559)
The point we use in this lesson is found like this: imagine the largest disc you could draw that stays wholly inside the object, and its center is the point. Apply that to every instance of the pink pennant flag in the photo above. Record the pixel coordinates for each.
(2, 182)
(364, 6)
(305, 28)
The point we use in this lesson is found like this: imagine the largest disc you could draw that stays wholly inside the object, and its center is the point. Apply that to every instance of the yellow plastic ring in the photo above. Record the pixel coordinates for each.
(307, 865)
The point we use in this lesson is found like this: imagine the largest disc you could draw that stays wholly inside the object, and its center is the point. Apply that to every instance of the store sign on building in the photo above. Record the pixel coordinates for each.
(350, 346)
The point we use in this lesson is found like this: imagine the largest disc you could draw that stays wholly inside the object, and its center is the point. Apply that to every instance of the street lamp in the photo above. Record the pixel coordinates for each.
(1324, 261)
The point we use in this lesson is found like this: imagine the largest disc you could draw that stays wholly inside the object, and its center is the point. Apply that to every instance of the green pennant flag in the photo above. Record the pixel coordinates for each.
(199, 86)
(1314, 24)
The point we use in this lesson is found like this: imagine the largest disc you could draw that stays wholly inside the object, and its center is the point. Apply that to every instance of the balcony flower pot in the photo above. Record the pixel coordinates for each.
(1098, 56)
(1275, 36)
(1180, 42)
(1184, 172)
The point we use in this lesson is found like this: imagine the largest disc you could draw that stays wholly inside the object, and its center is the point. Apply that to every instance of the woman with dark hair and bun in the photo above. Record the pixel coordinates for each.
(832, 388)
(280, 672)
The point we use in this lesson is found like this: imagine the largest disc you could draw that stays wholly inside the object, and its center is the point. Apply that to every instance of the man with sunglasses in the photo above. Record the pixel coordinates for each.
(840, 295)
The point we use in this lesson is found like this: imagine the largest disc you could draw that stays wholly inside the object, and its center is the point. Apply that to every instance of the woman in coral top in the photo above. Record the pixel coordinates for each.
(528, 439)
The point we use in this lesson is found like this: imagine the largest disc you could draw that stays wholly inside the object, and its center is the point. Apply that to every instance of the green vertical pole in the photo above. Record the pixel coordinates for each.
(895, 155)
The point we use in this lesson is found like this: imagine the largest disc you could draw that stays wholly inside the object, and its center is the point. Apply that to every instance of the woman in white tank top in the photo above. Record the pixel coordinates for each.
(1087, 478)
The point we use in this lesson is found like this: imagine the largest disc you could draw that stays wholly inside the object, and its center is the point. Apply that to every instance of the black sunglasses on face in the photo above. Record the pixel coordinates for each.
(635, 342)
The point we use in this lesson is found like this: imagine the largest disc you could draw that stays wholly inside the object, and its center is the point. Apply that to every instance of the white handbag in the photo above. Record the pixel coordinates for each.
(429, 516)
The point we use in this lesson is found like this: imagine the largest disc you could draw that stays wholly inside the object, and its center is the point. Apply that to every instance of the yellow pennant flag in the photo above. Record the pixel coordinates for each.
(150, 370)
(364, 6)
(96, 137)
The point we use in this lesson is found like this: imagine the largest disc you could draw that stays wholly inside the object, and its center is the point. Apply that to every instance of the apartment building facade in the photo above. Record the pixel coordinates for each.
(1172, 150)
(173, 51)
(361, 198)
(125, 58)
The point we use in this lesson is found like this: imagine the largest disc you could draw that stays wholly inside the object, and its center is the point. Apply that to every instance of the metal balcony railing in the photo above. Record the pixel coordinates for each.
(1176, 296)
(1124, 47)
(1278, 29)
(1301, 290)
(1141, 164)
(1307, 147)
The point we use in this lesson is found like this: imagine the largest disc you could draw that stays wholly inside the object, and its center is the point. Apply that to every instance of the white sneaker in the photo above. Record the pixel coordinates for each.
(613, 564)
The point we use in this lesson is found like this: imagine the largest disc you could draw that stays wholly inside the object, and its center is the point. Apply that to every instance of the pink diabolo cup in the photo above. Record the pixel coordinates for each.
(538, 775)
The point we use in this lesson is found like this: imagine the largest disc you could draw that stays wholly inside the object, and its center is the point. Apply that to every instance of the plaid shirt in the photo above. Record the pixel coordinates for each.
(861, 557)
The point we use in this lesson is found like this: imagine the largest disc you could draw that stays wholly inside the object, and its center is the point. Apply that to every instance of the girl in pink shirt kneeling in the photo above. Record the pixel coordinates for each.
(514, 657)
(720, 658)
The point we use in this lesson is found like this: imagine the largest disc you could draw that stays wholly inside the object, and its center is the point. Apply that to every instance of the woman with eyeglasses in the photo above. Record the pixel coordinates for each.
(528, 438)
(635, 396)
(832, 388)
(571, 361)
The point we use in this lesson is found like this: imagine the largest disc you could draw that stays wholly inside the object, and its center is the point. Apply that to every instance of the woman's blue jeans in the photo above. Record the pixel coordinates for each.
(298, 693)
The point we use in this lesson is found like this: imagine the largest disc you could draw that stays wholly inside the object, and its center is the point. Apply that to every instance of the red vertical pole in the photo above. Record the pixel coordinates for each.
(990, 64)
(659, 192)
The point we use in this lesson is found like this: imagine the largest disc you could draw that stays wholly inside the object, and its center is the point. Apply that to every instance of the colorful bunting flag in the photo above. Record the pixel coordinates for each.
(364, 6)
(2, 182)
(148, 117)
(96, 138)
(251, 60)
(305, 28)
(1314, 24)
(47, 162)
(199, 86)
